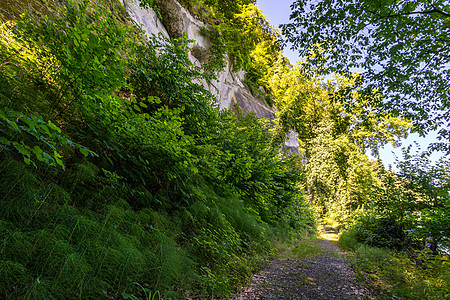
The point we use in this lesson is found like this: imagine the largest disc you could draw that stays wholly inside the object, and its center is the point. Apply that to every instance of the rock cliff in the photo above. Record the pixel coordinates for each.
(177, 21)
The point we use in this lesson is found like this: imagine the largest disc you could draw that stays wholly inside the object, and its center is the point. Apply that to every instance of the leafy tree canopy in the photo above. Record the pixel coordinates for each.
(402, 46)
(336, 125)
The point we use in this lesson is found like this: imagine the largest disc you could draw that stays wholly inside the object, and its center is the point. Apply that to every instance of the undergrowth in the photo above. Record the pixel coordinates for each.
(399, 275)
(120, 178)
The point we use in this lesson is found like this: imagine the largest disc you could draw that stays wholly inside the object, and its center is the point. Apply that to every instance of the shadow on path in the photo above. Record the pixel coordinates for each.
(322, 273)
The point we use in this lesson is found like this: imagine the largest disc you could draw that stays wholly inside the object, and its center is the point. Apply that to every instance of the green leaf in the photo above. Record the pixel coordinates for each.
(54, 127)
(59, 161)
(40, 157)
(84, 151)
(45, 128)
(27, 160)
(22, 149)
(48, 158)
(37, 150)
(13, 124)
(4, 141)
(153, 99)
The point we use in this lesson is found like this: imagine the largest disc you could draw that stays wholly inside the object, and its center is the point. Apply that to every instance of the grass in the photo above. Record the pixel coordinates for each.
(393, 275)
(53, 245)
(329, 236)
(308, 247)
(311, 247)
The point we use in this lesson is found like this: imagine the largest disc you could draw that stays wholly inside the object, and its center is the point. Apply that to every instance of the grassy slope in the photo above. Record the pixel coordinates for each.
(86, 232)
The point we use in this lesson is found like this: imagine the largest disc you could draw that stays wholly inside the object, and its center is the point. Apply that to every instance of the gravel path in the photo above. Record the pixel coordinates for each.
(324, 275)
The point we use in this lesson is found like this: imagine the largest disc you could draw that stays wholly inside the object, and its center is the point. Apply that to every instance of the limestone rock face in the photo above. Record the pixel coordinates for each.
(146, 18)
(177, 22)
(248, 103)
(291, 142)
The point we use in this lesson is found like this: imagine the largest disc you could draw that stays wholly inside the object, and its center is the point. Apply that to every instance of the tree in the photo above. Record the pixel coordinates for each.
(228, 8)
(336, 125)
(430, 196)
(403, 48)
(244, 32)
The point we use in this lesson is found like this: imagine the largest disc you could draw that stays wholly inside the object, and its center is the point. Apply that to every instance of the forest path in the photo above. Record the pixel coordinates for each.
(313, 269)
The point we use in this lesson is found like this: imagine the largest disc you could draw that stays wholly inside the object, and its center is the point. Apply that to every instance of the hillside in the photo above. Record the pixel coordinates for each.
(120, 175)
(148, 150)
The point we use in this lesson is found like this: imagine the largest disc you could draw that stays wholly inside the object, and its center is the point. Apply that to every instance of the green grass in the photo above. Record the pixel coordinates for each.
(393, 275)
(65, 239)
(49, 247)
(308, 247)
(166, 209)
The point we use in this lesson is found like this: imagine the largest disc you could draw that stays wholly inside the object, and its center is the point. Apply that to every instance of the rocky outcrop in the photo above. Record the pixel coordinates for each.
(146, 18)
(248, 103)
(178, 22)
(291, 142)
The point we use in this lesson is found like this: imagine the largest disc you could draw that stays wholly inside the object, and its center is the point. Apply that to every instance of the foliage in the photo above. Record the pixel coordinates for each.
(393, 275)
(228, 8)
(149, 4)
(180, 197)
(416, 197)
(220, 9)
(336, 124)
(218, 49)
(401, 46)
(404, 208)
(248, 39)
(244, 32)
(67, 251)
(27, 133)
(240, 32)
(11, 9)
(163, 70)
(181, 200)
(19, 128)
(378, 232)
(430, 184)
(77, 49)
(263, 60)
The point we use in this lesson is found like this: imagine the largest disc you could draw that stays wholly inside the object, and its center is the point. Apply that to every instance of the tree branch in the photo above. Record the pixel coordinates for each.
(425, 12)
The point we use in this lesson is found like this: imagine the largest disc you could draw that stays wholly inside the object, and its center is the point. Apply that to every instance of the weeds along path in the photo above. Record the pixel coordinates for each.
(313, 269)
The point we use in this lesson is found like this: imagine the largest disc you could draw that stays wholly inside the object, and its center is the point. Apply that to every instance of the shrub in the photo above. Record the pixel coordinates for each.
(347, 240)
(180, 197)
(378, 232)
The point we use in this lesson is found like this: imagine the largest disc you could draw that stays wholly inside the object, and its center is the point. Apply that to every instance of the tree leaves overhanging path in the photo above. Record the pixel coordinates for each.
(402, 47)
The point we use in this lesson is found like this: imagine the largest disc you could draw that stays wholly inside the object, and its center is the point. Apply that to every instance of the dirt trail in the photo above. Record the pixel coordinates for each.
(322, 274)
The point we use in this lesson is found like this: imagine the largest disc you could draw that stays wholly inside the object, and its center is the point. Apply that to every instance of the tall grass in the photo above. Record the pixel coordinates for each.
(51, 248)
(395, 275)
(179, 199)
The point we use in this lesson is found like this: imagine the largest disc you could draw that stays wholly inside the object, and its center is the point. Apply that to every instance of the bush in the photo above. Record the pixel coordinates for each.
(180, 197)
(377, 232)
(347, 240)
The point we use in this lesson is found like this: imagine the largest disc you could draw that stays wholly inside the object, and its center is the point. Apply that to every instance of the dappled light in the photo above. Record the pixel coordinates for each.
(121, 177)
